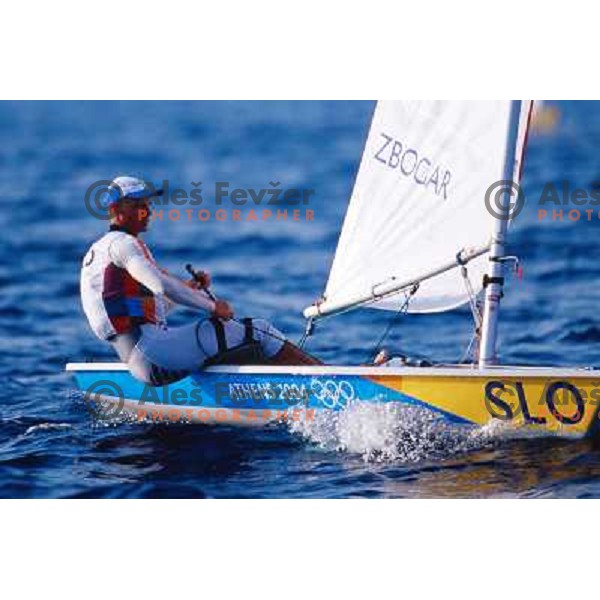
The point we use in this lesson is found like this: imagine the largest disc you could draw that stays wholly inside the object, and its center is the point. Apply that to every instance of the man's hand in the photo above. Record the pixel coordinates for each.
(223, 310)
(201, 281)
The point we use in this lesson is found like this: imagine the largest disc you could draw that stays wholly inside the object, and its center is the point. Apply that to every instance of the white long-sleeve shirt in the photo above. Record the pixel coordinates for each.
(111, 299)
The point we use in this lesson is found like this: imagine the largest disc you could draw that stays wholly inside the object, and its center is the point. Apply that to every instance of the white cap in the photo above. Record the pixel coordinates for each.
(131, 188)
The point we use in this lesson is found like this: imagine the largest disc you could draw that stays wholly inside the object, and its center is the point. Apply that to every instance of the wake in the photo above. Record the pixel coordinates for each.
(394, 432)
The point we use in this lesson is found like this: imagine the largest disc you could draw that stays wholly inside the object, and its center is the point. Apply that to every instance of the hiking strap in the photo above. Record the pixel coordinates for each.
(220, 333)
(248, 330)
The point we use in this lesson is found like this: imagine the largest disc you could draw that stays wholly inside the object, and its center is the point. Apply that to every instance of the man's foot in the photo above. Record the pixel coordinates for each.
(382, 357)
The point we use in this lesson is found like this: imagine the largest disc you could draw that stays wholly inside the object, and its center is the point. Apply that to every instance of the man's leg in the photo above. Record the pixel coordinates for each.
(276, 348)
(290, 354)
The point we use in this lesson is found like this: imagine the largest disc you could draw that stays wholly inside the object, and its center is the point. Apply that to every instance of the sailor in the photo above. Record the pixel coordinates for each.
(126, 296)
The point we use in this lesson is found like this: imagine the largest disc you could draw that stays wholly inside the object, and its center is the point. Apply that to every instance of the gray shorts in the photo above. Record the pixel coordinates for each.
(186, 348)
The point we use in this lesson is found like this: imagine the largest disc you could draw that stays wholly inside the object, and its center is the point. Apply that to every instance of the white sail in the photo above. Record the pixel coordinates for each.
(419, 199)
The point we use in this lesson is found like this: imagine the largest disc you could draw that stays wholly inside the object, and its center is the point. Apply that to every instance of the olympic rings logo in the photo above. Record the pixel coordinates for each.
(332, 393)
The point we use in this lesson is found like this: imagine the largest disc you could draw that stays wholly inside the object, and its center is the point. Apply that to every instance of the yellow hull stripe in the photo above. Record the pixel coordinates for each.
(558, 405)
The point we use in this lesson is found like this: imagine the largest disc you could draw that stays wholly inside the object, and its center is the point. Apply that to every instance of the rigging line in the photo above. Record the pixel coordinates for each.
(472, 297)
(210, 295)
(197, 276)
(366, 303)
(475, 313)
(308, 331)
(310, 325)
(469, 348)
(269, 333)
(255, 328)
(402, 310)
(473, 350)
(311, 322)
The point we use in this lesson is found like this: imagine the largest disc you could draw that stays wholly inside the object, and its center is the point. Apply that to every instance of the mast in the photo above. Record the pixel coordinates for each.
(494, 280)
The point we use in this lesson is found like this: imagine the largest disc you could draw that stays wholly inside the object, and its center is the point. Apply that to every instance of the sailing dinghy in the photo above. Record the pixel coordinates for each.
(425, 232)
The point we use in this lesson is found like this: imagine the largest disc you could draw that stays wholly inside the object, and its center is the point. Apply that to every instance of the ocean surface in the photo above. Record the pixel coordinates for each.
(51, 152)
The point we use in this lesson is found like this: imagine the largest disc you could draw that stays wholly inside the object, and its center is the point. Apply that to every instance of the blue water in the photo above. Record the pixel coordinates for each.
(49, 447)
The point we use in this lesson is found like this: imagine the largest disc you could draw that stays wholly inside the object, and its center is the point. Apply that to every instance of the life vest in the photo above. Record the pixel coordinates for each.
(127, 302)
(113, 301)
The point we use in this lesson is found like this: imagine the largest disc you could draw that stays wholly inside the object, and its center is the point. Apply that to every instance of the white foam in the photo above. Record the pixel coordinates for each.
(48, 427)
(390, 432)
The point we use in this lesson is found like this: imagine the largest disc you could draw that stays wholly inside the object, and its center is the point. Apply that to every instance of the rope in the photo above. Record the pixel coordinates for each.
(196, 276)
(474, 311)
(310, 325)
(403, 309)
(308, 331)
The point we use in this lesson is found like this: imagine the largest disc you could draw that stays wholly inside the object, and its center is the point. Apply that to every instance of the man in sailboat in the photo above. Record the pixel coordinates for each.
(126, 295)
